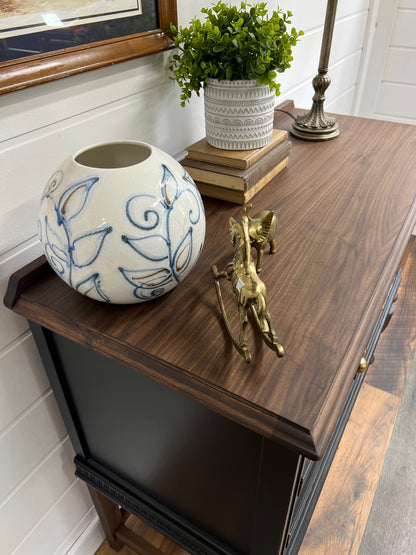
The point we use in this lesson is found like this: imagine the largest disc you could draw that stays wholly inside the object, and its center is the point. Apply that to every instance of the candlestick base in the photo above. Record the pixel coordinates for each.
(316, 125)
(305, 127)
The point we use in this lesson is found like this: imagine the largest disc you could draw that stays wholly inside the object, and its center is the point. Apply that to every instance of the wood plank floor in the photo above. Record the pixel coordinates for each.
(338, 523)
(341, 514)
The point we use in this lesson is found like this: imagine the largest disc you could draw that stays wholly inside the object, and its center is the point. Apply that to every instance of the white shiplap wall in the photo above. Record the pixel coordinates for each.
(345, 60)
(43, 509)
(388, 87)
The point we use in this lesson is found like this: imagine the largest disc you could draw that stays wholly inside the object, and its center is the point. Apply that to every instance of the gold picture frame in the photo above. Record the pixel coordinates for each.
(40, 68)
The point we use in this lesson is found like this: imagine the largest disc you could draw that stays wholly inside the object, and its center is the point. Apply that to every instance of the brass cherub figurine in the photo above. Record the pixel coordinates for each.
(246, 284)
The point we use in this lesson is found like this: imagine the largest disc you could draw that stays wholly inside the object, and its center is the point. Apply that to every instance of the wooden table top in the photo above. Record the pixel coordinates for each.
(346, 209)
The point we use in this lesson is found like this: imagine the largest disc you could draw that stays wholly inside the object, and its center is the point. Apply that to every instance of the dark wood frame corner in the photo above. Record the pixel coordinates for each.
(37, 69)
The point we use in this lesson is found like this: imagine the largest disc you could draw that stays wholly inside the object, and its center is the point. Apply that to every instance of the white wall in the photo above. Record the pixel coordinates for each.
(345, 59)
(43, 509)
(388, 87)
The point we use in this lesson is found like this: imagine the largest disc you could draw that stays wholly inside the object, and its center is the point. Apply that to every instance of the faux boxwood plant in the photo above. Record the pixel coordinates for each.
(232, 43)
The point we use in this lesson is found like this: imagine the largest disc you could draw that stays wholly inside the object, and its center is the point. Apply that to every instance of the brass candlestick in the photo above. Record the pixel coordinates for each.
(316, 125)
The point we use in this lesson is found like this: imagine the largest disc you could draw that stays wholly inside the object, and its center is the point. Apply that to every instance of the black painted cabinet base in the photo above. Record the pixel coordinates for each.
(205, 482)
(208, 484)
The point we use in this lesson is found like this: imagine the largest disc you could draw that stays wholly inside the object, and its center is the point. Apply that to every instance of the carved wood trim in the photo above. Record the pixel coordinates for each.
(142, 506)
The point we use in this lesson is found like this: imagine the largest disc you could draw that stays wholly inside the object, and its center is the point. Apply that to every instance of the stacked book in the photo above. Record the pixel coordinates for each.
(236, 175)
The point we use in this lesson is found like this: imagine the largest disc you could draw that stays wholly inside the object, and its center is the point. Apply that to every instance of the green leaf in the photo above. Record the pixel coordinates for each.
(233, 42)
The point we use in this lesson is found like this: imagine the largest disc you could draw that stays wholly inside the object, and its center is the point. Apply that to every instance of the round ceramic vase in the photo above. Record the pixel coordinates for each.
(121, 222)
(238, 114)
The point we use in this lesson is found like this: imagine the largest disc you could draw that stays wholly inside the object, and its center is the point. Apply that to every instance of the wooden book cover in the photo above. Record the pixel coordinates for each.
(233, 178)
(236, 196)
(242, 159)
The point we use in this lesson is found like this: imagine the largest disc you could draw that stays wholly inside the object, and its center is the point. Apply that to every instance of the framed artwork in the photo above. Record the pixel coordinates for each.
(44, 40)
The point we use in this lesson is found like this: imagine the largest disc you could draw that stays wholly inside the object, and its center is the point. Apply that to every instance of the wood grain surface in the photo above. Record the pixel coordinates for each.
(345, 212)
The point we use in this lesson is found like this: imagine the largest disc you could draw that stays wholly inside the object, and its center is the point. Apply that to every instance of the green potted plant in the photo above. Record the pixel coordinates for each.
(234, 55)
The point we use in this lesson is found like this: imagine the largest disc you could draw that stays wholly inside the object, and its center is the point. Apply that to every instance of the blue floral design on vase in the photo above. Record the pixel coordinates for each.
(121, 222)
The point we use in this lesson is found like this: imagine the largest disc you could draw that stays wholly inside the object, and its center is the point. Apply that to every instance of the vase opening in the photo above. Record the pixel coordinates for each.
(114, 155)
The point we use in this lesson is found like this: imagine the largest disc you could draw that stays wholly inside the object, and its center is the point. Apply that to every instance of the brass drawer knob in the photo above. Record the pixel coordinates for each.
(363, 366)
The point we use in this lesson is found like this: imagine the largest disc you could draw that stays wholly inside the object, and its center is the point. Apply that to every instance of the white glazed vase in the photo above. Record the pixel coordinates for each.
(238, 114)
(121, 222)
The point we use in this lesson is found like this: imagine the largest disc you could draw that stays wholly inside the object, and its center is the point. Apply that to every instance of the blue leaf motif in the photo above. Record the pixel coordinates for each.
(73, 199)
(188, 179)
(87, 247)
(195, 215)
(59, 253)
(53, 183)
(169, 186)
(167, 217)
(140, 215)
(152, 247)
(149, 284)
(56, 243)
(183, 254)
(149, 279)
(55, 262)
(91, 286)
(145, 294)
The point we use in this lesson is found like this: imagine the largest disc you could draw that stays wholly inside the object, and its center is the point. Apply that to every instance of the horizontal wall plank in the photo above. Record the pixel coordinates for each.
(342, 104)
(407, 4)
(91, 538)
(348, 40)
(61, 521)
(309, 15)
(17, 234)
(396, 100)
(306, 15)
(343, 77)
(28, 441)
(12, 325)
(35, 496)
(51, 103)
(22, 379)
(401, 66)
(348, 37)
(404, 29)
(352, 7)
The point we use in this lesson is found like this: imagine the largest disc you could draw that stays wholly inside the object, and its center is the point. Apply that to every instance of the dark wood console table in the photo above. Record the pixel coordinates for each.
(166, 419)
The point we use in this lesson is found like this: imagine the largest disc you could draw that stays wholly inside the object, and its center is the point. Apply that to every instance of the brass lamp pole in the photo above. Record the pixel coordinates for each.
(316, 125)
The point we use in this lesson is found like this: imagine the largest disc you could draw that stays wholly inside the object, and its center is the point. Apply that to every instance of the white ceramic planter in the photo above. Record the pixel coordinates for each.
(238, 114)
(121, 222)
